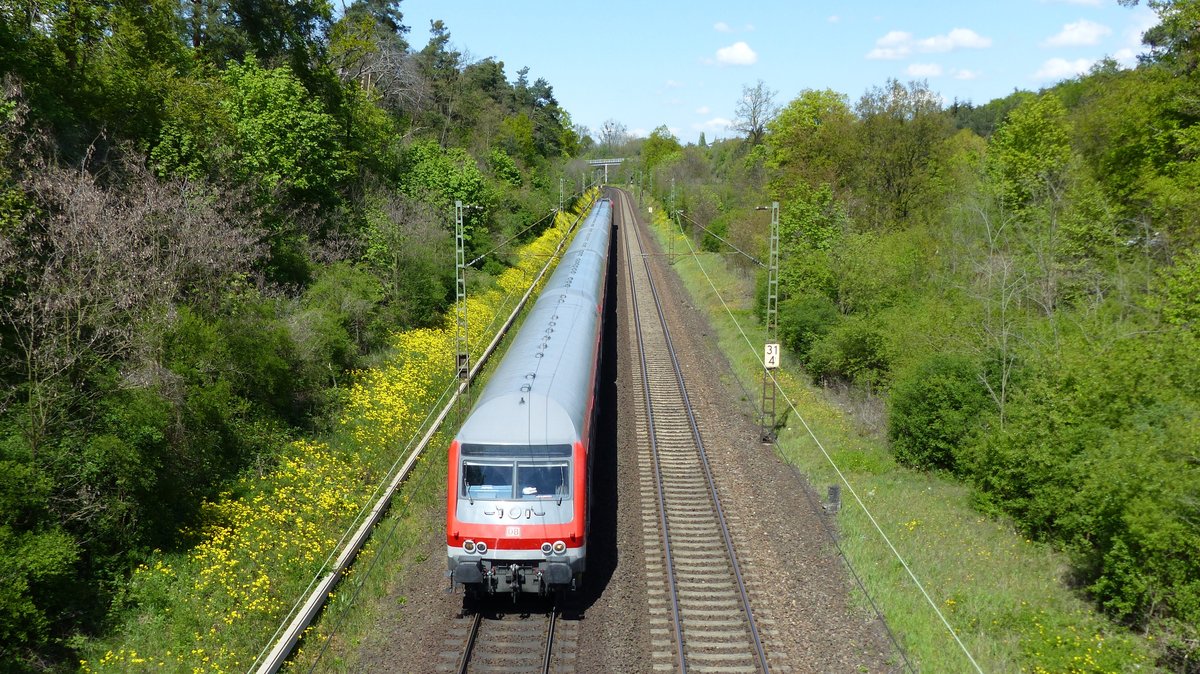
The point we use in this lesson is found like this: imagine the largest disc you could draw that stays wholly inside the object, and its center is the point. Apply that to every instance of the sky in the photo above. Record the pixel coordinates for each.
(649, 63)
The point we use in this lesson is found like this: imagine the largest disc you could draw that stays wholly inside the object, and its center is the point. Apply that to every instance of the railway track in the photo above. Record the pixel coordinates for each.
(702, 617)
(510, 641)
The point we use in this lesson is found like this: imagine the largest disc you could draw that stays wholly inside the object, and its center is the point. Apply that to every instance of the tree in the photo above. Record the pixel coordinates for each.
(1173, 40)
(1029, 155)
(101, 266)
(902, 146)
(404, 244)
(754, 111)
(285, 139)
(1029, 160)
(386, 14)
(613, 134)
(811, 141)
(660, 148)
(363, 51)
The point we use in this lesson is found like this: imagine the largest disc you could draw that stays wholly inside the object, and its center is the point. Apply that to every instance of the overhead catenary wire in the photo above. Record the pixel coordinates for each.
(553, 211)
(512, 238)
(837, 469)
(748, 256)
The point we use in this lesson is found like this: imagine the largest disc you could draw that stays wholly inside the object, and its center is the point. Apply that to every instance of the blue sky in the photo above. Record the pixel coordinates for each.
(649, 63)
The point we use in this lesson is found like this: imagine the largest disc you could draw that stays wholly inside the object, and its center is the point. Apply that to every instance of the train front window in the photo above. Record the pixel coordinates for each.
(543, 480)
(488, 481)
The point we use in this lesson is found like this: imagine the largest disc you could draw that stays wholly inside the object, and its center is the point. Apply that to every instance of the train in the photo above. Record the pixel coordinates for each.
(519, 470)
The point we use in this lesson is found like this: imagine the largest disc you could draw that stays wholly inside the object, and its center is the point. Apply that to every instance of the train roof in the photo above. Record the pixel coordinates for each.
(539, 393)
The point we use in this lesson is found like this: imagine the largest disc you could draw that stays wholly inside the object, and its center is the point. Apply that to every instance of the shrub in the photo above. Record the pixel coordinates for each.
(855, 350)
(933, 407)
(805, 319)
(504, 168)
(710, 243)
(1095, 454)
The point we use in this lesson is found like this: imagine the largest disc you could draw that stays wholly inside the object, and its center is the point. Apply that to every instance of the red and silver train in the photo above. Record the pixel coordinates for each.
(520, 467)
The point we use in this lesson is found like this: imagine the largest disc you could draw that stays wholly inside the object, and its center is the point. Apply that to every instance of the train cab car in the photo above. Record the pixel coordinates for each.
(520, 467)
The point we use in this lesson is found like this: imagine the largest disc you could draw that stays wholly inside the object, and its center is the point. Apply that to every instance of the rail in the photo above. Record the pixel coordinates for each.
(508, 661)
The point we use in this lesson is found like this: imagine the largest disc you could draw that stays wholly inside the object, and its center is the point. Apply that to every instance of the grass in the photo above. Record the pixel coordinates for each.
(1005, 596)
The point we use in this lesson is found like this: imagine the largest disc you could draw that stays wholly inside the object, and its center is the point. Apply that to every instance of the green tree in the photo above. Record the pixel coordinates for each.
(285, 141)
(811, 217)
(902, 149)
(439, 177)
(1029, 155)
(811, 141)
(660, 148)
(1173, 40)
(516, 137)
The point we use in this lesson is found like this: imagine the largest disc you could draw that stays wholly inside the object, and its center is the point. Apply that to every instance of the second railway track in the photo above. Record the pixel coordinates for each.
(702, 618)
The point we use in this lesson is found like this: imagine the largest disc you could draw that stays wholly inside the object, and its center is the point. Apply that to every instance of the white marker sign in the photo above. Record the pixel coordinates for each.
(771, 356)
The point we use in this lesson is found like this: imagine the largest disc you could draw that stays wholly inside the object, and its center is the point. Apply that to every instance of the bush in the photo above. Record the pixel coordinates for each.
(1097, 454)
(710, 243)
(805, 319)
(855, 351)
(933, 407)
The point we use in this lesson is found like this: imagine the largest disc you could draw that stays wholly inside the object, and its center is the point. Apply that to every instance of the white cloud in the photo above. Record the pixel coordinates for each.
(639, 133)
(674, 84)
(723, 27)
(1059, 68)
(714, 124)
(898, 44)
(924, 70)
(957, 38)
(965, 74)
(737, 54)
(1080, 33)
(834, 19)
(895, 45)
(1126, 56)
(703, 110)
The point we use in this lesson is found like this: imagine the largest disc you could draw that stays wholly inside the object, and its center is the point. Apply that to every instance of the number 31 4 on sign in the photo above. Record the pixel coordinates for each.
(771, 356)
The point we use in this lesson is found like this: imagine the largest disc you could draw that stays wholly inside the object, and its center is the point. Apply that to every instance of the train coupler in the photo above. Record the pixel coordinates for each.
(516, 578)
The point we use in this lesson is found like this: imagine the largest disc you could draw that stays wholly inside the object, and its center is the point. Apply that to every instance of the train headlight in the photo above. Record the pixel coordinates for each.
(469, 547)
(481, 548)
(559, 547)
(546, 548)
